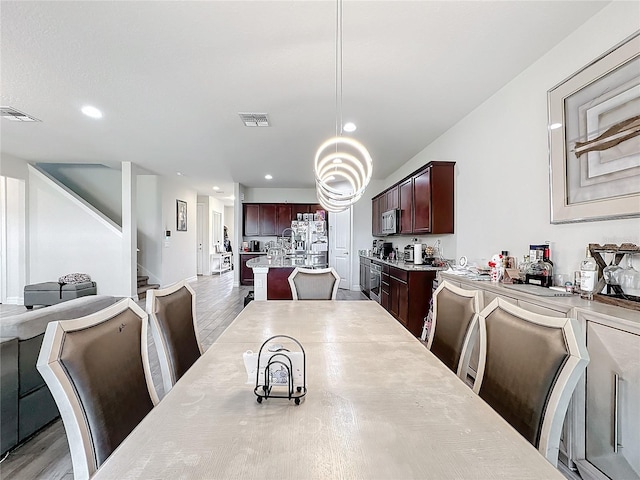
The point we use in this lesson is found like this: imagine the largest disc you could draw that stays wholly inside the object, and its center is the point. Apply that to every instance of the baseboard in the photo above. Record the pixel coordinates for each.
(15, 301)
(192, 279)
(355, 288)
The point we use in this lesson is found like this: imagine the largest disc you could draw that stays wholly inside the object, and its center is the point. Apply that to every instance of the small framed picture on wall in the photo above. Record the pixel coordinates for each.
(181, 216)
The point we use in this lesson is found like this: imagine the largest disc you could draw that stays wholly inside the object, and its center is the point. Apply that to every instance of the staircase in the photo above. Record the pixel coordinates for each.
(144, 285)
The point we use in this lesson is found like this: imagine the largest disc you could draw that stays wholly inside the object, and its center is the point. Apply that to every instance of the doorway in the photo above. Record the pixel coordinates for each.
(340, 245)
(200, 218)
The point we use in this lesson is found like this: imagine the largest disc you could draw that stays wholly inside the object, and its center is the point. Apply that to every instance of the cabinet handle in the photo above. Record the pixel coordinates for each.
(616, 397)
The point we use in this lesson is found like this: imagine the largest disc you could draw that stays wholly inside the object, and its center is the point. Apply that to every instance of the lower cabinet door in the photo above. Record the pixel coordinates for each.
(612, 399)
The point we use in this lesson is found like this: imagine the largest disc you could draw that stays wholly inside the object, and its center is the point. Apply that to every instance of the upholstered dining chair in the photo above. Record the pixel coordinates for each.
(314, 284)
(172, 316)
(454, 310)
(528, 369)
(97, 369)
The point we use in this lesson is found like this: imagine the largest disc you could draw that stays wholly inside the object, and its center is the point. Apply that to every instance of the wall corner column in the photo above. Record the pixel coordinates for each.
(129, 231)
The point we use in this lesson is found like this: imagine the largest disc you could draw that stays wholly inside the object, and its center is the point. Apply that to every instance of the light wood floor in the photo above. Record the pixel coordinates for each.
(46, 455)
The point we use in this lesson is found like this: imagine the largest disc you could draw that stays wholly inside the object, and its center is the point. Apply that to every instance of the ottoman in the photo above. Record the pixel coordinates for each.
(50, 293)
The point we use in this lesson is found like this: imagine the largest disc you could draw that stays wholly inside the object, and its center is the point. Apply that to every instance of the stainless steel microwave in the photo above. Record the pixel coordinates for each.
(390, 222)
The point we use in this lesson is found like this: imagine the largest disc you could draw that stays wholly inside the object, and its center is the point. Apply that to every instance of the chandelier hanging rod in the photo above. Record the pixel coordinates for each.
(339, 68)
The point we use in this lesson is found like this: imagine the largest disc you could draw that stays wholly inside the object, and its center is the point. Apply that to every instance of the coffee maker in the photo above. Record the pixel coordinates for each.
(254, 245)
(377, 247)
(387, 248)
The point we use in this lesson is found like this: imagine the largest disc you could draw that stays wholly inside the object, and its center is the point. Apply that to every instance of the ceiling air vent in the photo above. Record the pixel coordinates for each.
(16, 115)
(254, 119)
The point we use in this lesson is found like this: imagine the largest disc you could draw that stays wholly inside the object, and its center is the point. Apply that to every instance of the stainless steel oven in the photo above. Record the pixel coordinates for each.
(376, 281)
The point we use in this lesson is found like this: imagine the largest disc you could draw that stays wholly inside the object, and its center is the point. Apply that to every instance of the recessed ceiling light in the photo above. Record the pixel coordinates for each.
(92, 112)
(268, 177)
(553, 126)
(179, 174)
(215, 187)
(349, 127)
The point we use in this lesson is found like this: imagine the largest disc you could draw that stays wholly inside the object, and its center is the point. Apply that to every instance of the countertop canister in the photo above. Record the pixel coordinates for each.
(417, 253)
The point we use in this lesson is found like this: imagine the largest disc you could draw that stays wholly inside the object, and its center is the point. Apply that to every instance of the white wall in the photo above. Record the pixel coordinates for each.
(14, 167)
(179, 250)
(280, 195)
(14, 243)
(501, 150)
(65, 236)
(150, 227)
(99, 185)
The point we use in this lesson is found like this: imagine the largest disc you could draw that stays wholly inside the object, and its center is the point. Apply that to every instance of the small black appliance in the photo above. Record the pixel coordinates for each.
(387, 248)
(254, 245)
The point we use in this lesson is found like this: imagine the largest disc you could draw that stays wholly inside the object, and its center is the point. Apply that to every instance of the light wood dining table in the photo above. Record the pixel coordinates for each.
(379, 405)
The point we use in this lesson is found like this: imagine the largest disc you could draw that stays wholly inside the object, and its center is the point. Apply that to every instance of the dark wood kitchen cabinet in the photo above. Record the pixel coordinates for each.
(376, 217)
(406, 295)
(314, 207)
(297, 208)
(422, 202)
(425, 200)
(251, 215)
(385, 289)
(433, 199)
(268, 212)
(270, 219)
(283, 217)
(246, 273)
(406, 207)
(392, 198)
(399, 294)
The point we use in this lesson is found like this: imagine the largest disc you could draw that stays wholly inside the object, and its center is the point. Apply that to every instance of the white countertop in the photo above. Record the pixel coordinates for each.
(557, 303)
(282, 262)
(409, 266)
(379, 406)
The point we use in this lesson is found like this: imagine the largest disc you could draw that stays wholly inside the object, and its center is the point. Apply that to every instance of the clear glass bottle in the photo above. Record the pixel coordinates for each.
(588, 276)
(540, 273)
(523, 267)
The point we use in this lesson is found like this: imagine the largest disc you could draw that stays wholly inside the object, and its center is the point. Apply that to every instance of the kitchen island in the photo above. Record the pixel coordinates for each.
(270, 274)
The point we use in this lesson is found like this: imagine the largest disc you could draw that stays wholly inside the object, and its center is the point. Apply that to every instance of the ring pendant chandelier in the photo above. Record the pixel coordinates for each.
(341, 161)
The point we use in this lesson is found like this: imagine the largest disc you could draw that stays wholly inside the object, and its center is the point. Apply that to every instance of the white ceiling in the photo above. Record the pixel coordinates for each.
(171, 77)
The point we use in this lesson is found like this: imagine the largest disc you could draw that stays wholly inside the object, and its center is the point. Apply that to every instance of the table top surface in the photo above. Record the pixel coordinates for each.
(378, 405)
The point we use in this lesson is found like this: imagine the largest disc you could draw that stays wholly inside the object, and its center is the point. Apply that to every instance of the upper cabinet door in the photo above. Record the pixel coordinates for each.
(268, 219)
(283, 217)
(314, 207)
(376, 219)
(297, 208)
(422, 202)
(392, 198)
(442, 197)
(251, 219)
(406, 206)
